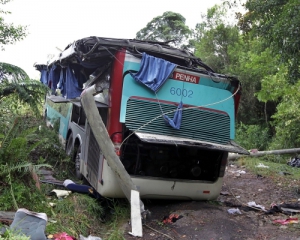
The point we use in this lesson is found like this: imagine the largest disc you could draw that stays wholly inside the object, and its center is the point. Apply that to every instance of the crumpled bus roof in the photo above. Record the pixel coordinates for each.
(93, 52)
(97, 53)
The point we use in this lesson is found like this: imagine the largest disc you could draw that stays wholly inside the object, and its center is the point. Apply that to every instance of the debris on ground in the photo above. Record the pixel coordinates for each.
(234, 211)
(7, 217)
(61, 236)
(225, 193)
(31, 224)
(172, 218)
(90, 237)
(286, 208)
(46, 176)
(60, 193)
(261, 165)
(294, 162)
(79, 188)
(286, 221)
(256, 206)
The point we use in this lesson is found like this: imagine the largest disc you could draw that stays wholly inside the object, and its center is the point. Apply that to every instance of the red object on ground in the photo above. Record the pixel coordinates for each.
(286, 221)
(63, 236)
(171, 218)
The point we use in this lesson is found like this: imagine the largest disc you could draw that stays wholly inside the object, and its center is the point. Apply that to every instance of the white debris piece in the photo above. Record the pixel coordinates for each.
(261, 165)
(234, 211)
(253, 204)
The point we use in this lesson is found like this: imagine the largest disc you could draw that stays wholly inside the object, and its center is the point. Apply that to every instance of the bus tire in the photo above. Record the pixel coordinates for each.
(76, 161)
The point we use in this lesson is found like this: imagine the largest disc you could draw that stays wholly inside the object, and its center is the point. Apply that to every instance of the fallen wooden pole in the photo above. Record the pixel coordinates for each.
(108, 149)
(233, 156)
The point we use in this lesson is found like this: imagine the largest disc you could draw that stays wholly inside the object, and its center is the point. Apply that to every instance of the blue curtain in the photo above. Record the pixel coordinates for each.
(62, 82)
(153, 72)
(54, 76)
(72, 88)
(44, 76)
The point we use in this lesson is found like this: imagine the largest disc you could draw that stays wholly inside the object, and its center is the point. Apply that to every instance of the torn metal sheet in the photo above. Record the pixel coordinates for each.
(162, 139)
(136, 220)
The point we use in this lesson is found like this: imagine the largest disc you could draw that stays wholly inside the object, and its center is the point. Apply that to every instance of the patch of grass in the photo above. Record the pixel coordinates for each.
(25, 194)
(10, 235)
(276, 165)
(214, 202)
(120, 214)
(76, 214)
(277, 170)
(81, 214)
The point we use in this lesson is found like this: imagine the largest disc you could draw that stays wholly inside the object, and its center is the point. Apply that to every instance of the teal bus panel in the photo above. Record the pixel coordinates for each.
(176, 91)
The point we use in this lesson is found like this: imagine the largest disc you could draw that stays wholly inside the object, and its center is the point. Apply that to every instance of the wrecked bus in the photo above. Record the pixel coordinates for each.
(170, 117)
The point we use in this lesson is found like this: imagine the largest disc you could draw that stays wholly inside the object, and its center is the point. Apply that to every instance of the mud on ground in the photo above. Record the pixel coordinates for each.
(210, 219)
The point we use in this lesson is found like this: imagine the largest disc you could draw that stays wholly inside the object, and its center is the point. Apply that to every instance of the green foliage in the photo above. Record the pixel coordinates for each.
(214, 36)
(286, 120)
(76, 214)
(166, 28)
(121, 212)
(253, 63)
(9, 33)
(16, 86)
(10, 235)
(252, 136)
(15, 149)
(219, 43)
(21, 193)
(277, 22)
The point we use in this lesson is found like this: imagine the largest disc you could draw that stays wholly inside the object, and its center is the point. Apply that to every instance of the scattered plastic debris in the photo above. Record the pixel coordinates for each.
(225, 193)
(237, 171)
(90, 237)
(61, 236)
(32, 224)
(60, 193)
(286, 221)
(234, 211)
(254, 205)
(294, 162)
(285, 208)
(171, 218)
(261, 165)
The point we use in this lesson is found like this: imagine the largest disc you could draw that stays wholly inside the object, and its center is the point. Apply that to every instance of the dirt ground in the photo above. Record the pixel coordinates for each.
(210, 219)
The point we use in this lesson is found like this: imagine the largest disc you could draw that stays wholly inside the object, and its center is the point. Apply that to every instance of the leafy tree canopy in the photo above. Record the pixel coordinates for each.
(170, 27)
(9, 33)
(214, 37)
(15, 84)
(278, 22)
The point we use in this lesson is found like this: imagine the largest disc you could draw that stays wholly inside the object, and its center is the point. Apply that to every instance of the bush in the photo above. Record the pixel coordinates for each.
(253, 136)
